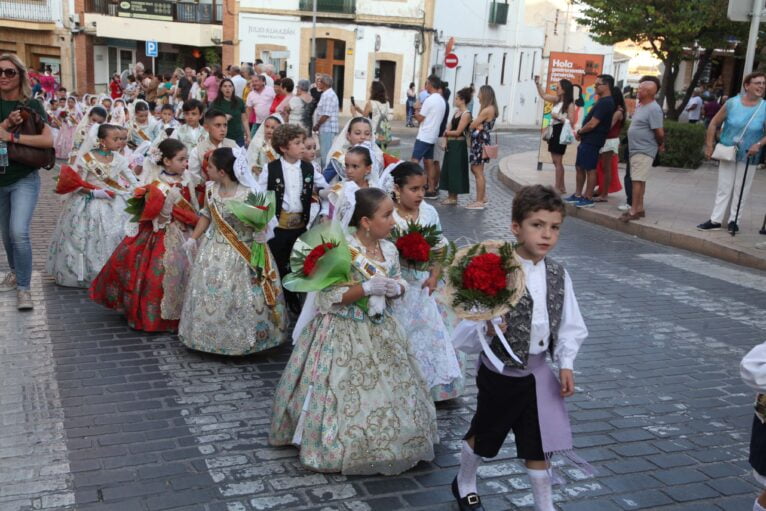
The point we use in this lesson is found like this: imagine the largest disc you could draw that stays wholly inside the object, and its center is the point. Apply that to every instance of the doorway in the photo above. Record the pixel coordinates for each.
(119, 59)
(385, 72)
(331, 60)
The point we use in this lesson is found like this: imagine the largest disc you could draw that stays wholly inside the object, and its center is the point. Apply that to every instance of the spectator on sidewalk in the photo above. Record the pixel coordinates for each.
(429, 116)
(481, 133)
(238, 80)
(646, 137)
(183, 88)
(612, 145)
(411, 100)
(743, 118)
(694, 107)
(377, 110)
(563, 110)
(434, 178)
(592, 137)
(326, 116)
(712, 106)
(19, 182)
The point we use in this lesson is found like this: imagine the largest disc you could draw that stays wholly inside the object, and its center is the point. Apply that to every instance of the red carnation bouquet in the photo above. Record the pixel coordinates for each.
(418, 246)
(313, 257)
(485, 280)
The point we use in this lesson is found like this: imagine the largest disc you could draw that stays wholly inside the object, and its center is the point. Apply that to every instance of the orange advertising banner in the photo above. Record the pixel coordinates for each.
(581, 69)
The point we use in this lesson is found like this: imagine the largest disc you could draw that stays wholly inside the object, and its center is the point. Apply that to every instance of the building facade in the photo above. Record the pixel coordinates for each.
(114, 36)
(37, 31)
(357, 41)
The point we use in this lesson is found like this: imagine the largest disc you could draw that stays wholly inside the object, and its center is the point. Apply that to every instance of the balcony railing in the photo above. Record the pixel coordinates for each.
(330, 6)
(27, 10)
(181, 12)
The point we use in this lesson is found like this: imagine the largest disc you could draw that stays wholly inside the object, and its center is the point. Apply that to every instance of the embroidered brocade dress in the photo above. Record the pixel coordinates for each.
(146, 276)
(369, 410)
(225, 310)
(88, 230)
(65, 138)
(421, 318)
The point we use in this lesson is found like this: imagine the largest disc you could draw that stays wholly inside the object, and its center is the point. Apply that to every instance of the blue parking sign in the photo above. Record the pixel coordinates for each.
(152, 48)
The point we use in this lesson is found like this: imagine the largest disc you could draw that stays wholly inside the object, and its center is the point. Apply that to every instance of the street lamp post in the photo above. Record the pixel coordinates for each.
(313, 60)
(755, 22)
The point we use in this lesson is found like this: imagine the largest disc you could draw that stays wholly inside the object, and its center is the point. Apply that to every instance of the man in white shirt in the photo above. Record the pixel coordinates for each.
(258, 102)
(694, 108)
(238, 80)
(429, 117)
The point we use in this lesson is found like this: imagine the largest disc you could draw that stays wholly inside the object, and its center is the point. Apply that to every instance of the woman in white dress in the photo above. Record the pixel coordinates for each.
(224, 289)
(92, 222)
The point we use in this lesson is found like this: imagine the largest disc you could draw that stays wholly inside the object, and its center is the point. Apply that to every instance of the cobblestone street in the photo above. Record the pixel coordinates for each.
(96, 416)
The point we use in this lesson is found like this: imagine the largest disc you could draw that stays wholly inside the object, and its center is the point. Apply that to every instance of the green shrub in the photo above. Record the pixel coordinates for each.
(684, 144)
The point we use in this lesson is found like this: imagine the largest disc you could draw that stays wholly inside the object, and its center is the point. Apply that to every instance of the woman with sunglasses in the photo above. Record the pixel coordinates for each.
(19, 183)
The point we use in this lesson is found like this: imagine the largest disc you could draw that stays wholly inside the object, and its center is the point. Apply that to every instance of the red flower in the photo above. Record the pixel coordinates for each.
(414, 247)
(310, 264)
(62, 114)
(485, 273)
(262, 208)
(139, 192)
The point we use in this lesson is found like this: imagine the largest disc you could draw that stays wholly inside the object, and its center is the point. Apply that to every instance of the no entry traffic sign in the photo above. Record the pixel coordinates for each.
(450, 60)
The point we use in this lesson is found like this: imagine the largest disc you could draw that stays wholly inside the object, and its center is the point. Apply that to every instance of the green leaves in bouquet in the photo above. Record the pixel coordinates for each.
(136, 207)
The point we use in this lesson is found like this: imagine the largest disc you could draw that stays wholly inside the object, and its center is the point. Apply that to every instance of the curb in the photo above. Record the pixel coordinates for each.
(653, 233)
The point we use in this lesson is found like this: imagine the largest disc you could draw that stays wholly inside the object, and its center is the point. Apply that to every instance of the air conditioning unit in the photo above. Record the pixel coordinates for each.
(498, 13)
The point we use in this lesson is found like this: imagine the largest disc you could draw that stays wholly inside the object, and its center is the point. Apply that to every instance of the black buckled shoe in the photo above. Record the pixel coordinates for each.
(470, 502)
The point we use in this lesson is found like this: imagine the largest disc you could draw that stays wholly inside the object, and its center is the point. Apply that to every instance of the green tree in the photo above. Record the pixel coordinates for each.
(668, 28)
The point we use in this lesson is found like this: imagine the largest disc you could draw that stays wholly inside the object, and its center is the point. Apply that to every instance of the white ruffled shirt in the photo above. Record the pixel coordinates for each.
(572, 329)
(291, 201)
(753, 368)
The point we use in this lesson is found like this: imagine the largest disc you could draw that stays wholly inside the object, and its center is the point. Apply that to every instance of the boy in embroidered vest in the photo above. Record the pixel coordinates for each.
(293, 182)
(216, 126)
(528, 398)
(191, 133)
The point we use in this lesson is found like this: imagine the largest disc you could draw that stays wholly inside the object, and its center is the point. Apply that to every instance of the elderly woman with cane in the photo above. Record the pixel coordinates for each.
(743, 118)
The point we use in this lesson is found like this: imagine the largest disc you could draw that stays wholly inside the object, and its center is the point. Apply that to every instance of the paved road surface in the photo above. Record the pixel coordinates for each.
(95, 416)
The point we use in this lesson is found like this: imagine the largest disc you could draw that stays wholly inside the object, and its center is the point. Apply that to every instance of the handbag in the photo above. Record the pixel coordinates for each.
(548, 133)
(36, 157)
(490, 152)
(729, 152)
(567, 135)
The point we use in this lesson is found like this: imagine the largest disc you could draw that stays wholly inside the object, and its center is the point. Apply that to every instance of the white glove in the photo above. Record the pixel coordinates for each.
(376, 286)
(190, 247)
(393, 289)
(100, 194)
(260, 237)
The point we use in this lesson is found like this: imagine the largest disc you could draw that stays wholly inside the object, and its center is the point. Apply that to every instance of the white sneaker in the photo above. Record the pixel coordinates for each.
(8, 283)
(623, 207)
(24, 300)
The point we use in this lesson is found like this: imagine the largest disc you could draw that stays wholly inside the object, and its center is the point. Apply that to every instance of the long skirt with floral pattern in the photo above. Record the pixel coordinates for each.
(225, 311)
(134, 280)
(369, 410)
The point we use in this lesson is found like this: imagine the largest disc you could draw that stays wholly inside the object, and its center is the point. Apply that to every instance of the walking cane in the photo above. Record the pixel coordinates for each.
(733, 232)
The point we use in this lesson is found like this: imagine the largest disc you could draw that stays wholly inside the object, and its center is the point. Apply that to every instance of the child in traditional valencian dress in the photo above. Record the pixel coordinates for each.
(146, 276)
(527, 398)
(359, 174)
(367, 407)
(142, 128)
(119, 114)
(68, 117)
(418, 311)
(92, 222)
(753, 371)
(231, 308)
(96, 115)
(261, 152)
(191, 133)
(357, 131)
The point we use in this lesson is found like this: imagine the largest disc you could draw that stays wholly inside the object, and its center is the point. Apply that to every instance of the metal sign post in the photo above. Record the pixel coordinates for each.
(152, 50)
(752, 11)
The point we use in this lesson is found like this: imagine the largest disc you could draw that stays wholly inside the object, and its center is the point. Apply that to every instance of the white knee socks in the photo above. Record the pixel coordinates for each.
(542, 490)
(758, 507)
(466, 476)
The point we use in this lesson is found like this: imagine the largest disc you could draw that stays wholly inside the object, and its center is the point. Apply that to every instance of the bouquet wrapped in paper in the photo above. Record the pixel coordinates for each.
(320, 258)
(484, 282)
(256, 210)
(419, 246)
(69, 181)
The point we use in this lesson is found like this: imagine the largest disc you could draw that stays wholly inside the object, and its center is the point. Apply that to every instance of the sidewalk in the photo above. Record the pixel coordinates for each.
(676, 201)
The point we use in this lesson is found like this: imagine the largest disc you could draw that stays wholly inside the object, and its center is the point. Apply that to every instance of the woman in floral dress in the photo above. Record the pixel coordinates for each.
(352, 395)
(223, 288)
(481, 130)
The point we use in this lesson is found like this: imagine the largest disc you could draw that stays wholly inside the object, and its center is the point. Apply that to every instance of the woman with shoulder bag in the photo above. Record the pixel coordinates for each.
(377, 111)
(563, 110)
(481, 129)
(19, 183)
(742, 137)
(454, 175)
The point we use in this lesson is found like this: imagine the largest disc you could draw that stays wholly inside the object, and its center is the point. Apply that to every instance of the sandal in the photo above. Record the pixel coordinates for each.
(475, 205)
(448, 202)
(600, 199)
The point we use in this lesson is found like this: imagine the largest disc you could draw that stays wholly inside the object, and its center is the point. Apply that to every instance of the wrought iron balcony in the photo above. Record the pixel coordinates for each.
(181, 12)
(329, 6)
(28, 10)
